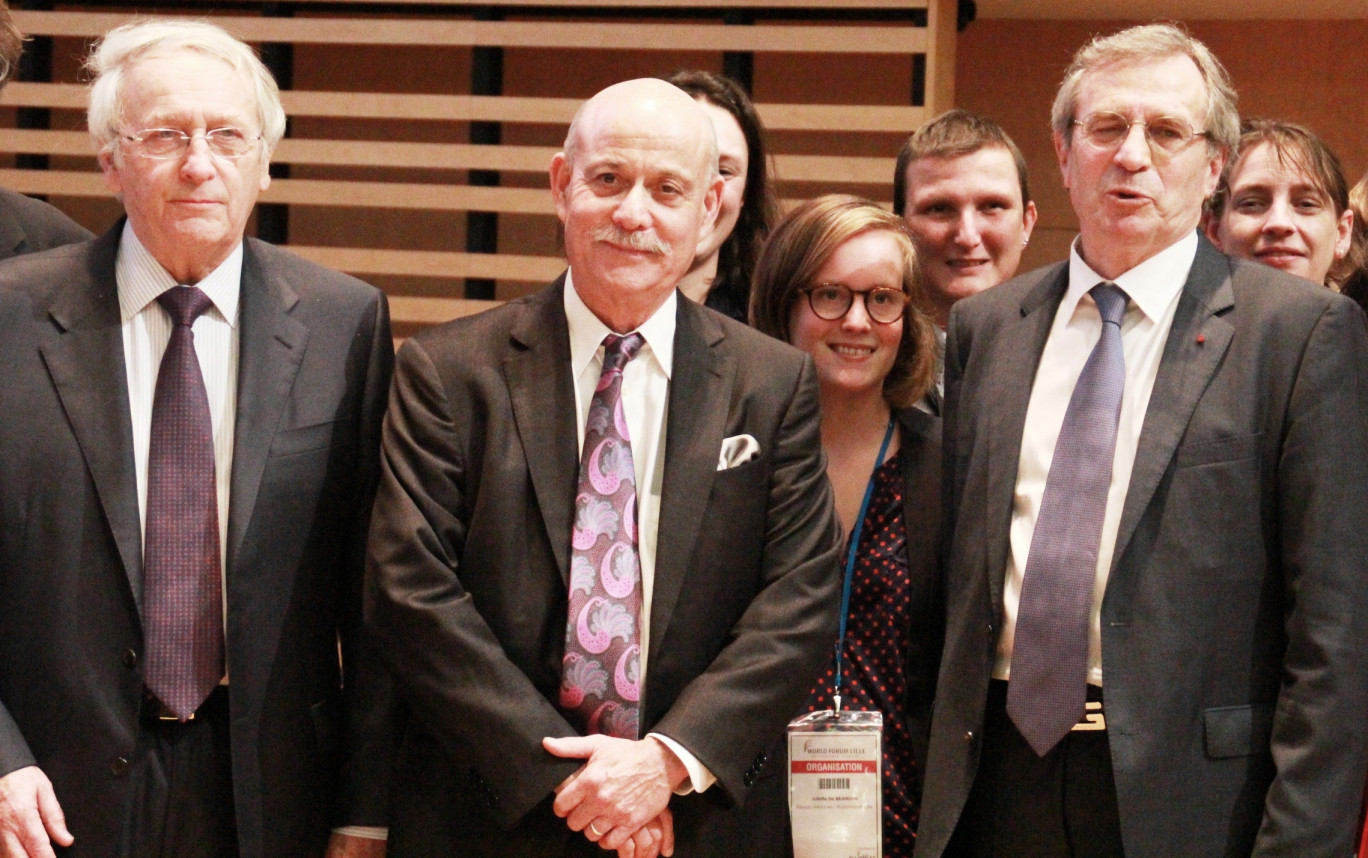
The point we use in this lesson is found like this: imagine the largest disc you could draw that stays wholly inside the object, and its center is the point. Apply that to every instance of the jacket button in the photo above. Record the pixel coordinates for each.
(968, 735)
(749, 779)
(118, 767)
(129, 659)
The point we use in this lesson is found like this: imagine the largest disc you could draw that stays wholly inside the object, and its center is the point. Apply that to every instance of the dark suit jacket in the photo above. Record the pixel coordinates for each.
(470, 551)
(1235, 615)
(315, 360)
(28, 226)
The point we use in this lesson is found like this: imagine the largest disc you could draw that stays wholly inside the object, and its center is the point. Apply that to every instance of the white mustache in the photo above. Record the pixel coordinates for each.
(647, 242)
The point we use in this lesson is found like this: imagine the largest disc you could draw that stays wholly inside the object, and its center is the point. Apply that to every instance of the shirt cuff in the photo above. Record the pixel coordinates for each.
(366, 832)
(699, 777)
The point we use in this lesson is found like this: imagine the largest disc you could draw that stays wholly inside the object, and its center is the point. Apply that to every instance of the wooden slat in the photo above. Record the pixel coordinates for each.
(431, 263)
(63, 183)
(406, 195)
(34, 142)
(434, 311)
(519, 34)
(835, 169)
(441, 156)
(649, 4)
(450, 156)
(318, 192)
(842, 118)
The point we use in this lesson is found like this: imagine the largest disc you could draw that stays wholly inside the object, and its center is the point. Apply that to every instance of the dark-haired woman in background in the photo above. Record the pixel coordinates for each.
(720, 275)
(838, 279)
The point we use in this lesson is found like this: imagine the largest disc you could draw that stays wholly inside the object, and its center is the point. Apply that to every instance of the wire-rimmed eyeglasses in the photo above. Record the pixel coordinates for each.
(164, 143)
(1166, 135)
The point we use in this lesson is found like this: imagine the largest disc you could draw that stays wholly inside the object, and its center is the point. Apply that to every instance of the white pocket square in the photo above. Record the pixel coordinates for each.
(737, 450)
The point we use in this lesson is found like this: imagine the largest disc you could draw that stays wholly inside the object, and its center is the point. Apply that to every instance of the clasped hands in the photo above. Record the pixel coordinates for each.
(619, 798)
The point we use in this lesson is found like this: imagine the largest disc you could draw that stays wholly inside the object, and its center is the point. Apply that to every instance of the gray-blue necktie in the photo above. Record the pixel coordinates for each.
(1050, 652)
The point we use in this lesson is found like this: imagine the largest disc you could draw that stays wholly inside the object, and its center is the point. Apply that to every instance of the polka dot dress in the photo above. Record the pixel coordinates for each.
(877, 650)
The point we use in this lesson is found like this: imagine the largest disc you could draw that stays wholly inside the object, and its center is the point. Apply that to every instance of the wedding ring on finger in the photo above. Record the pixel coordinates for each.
(594, 828)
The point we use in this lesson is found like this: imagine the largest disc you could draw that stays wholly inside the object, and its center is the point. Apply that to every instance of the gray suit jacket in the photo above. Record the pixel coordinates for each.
(315, 360)
(469, 559)
(28, 226)
(1235, 616)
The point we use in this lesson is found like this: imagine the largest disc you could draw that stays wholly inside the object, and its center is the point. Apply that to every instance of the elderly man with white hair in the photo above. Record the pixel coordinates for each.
(187, 465)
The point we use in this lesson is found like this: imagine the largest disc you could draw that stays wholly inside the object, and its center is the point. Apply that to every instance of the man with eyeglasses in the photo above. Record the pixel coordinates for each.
(1157, 478)
(187, 463)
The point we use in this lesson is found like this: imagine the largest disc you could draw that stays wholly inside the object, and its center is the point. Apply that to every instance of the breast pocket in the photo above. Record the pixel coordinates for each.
(306, 439)
(1219, 450)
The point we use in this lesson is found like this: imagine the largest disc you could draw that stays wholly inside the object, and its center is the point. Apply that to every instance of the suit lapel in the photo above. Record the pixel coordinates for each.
(537, 371)
(271, 346)
(696, 424)
(12, 235)
(1185, 370)
(86, 363)
(1012, 368)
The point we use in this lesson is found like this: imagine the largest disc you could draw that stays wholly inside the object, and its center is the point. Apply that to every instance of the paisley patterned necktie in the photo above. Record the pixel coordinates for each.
(600, 676)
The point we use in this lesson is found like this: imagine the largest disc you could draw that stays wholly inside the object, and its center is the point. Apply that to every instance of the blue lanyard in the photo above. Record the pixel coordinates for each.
(850, 559)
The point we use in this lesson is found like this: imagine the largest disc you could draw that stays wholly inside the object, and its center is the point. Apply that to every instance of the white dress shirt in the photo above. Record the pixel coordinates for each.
(1153, 287)
(146, 333)
(645, 397)
(147, 330)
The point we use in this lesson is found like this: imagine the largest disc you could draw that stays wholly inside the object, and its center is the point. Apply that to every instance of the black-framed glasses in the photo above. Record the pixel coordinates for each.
(831, 301)
(1166, 135)
(163, 143)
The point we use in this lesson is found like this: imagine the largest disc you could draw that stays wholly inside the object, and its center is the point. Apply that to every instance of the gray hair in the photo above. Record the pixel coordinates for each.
(122, 47)
(1143, 44)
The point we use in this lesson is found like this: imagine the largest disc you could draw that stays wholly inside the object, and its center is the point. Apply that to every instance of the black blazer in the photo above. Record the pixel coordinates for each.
(28, 226)
(1235, 615)
(315, 359)
(469, 558)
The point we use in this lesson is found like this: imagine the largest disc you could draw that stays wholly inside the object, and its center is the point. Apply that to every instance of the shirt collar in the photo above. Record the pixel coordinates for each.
(1151, 286)
(587, 331)
(141, 279)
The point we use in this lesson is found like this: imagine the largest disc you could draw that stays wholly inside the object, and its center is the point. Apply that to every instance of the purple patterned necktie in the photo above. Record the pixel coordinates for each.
(600, 678)
(1048, 687)
(182, 593)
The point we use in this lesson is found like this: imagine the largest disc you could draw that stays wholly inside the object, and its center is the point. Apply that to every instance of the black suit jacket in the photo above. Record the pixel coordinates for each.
(315, 360)
(1235, 615)
(470, 551)
(28, 226)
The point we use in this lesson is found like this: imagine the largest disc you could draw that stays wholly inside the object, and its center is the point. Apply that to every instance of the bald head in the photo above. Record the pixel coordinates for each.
(650, 100)
(637, 188)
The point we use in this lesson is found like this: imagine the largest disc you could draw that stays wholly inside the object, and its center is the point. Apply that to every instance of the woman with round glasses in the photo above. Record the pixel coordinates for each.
(1284, 202)
(838, 279)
